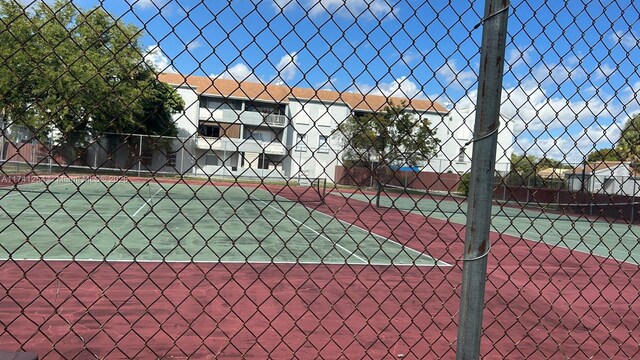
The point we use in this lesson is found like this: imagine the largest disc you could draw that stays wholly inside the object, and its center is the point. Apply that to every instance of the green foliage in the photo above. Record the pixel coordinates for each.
(524, 170)
(628, 147)
(465, 183)
(393, 138)
(606, 154)
(79, 71)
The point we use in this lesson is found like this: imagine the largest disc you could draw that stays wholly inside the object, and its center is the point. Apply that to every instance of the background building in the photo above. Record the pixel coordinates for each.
(272, 131)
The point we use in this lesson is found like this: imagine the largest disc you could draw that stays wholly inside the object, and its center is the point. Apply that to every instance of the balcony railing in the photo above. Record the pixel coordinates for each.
(244, 117)
(275, 120)
(241, 145)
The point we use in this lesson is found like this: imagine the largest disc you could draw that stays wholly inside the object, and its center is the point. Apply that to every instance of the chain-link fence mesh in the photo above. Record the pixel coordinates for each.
(289, 179)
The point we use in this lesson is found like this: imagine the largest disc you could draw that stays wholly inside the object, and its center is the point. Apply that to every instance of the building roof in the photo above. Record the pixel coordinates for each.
(554, 173)
(282, 93)
(591, 168)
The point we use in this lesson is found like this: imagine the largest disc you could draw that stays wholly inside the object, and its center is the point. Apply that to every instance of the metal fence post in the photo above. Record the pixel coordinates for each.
(140, 156)
(485, 138)
(3, 134)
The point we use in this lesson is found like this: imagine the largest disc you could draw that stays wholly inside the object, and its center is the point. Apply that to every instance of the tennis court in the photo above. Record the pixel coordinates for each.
(577, 233)
(85, 220)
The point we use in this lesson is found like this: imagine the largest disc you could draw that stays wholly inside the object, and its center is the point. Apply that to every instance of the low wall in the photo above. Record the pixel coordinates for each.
(612, 207)
(359, 176)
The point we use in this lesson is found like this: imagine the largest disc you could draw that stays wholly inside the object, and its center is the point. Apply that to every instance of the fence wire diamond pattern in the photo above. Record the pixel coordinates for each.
(291, 179)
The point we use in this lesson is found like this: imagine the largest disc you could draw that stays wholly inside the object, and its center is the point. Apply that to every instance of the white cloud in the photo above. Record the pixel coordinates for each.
(627, 39)
(570, 148)
(409, 56)
(287, 68)
(158, 59)
(453, 76)
(349, 8)
(145, 4)
(630, 97)
(532, 109)
(603, 70)
(238, 72)
(400, 87)
(556, 74)
(328, 84)
(517, 58)
(194, 44)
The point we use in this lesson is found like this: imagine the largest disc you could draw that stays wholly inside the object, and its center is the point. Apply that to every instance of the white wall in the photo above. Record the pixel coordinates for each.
(454, 131)
(314, 118)
(187, 122)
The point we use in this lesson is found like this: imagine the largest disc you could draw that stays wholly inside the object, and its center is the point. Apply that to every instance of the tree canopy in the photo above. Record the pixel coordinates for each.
(393, 137)
(80, 71)
(605, 154)
(525, 168)
(628, 147)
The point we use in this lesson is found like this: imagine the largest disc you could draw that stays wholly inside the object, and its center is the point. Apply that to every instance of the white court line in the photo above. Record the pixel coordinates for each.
(146, 202)
(438, 262)
(20, 192)
(71, 215)
(324, 237)
(389, 240)
(247, 261)
(509, 232)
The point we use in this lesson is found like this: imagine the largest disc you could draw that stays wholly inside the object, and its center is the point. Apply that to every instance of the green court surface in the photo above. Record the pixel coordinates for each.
(127, 221)
(574, 232)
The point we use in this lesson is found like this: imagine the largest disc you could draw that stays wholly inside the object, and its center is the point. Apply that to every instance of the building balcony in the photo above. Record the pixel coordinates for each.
(240, 145)
(245, 117)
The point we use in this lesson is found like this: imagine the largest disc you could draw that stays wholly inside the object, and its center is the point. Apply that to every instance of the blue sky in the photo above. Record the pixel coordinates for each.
(571, 76)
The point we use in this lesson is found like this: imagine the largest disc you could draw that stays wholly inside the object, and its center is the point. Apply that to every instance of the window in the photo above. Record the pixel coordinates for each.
(263, 162)
(323, 144)
(211, 160)
(463, 156)
(219, 103)
(265, 108)
(300, 145)
(210, 131)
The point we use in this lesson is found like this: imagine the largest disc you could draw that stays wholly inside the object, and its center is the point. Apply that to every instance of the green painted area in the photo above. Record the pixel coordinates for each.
(578, 233)
(124, 221)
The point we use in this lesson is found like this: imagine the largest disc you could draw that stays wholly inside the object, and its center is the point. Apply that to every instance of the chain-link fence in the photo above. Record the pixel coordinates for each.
(319, 179)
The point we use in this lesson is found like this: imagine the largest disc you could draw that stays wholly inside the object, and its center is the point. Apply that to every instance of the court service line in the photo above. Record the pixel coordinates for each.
(402, 246)
(321, 235)
(20, 192)
(146, 202)
(240, 262)
(538, 222)
(388, 240)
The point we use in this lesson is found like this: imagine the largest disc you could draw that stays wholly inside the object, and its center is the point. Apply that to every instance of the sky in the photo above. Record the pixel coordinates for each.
(570, 83)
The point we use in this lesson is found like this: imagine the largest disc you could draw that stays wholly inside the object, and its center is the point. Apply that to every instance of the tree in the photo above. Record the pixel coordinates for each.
(628, 147)
(80, 72)
(391, 138)
(525, 168)
(606, 154)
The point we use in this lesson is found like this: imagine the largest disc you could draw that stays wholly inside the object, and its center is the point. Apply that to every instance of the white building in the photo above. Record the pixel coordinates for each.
(606, 177)
(273, 131)
(456, 147)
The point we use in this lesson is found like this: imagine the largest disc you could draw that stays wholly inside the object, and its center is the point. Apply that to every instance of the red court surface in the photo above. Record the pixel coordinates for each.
(541, 302)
